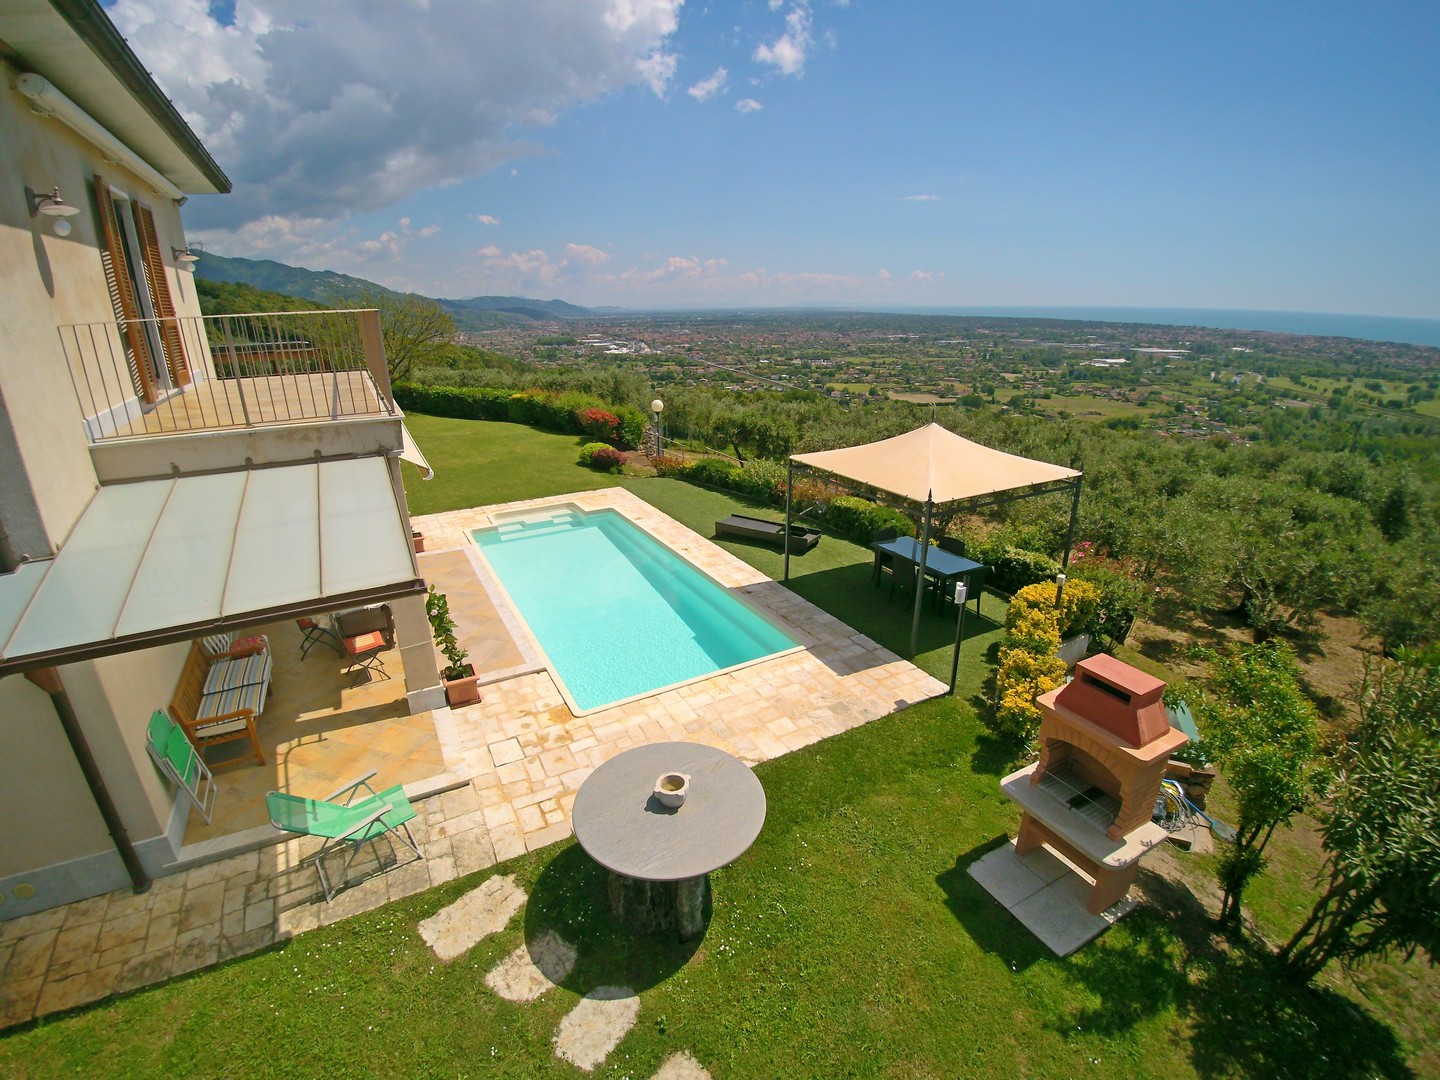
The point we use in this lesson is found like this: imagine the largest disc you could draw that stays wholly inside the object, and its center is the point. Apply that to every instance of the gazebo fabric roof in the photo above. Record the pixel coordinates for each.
(933, 462)
(152, 560)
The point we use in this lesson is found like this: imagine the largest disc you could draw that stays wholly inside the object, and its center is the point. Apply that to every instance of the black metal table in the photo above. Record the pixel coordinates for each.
(945, 566)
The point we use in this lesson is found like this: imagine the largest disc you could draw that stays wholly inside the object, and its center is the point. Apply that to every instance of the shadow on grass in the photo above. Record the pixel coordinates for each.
(987, 922)
(1245, 1017)
(1247, 1020)
(571, 898)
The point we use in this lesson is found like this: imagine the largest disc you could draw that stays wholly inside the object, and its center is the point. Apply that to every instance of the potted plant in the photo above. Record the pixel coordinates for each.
(458, 676)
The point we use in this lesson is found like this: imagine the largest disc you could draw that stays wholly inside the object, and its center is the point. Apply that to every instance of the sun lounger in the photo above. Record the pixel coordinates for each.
(768, 532)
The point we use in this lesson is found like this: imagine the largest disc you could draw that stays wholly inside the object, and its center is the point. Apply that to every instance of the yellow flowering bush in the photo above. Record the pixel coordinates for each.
(1029, 664)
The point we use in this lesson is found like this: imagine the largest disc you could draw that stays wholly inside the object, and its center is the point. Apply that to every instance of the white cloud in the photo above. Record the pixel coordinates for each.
(429, 231)
(787, 52)
(705, 89)
(487, 219)
(584, 255)
(748, 105)
(343, 106)
(920, 198)
(922, 275)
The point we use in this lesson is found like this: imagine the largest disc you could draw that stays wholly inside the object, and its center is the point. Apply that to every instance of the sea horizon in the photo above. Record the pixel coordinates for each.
(1402, 329)
(1398, 329)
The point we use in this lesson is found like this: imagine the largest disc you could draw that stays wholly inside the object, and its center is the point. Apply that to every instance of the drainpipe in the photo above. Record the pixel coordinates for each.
(48, 679)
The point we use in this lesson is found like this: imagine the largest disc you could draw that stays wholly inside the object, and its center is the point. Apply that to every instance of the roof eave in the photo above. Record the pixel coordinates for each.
(94, 27)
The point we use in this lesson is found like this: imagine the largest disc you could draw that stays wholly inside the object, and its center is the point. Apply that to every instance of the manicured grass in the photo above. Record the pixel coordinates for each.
(479, 463)
(849, 941)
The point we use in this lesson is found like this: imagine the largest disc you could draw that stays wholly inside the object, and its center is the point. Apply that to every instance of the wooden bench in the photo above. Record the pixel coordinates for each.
(220, 700)
(769, 532)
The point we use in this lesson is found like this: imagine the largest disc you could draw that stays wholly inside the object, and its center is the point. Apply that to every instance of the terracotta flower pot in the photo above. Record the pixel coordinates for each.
(462, 691)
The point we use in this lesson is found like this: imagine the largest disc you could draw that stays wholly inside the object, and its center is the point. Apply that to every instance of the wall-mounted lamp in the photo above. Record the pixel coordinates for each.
(185, 259)
(54, 207)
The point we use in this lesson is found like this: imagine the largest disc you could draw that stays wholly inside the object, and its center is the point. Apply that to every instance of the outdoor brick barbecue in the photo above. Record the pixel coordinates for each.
(1104, 743)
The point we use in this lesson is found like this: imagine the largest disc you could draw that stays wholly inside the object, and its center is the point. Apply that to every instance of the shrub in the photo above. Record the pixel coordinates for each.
(632, 427)
(715, 472)
(671, 465)
(1011, 568)
(1024, 676)
(473, 403)
(1122, 600)
(606, 459)
(858, 519)
(1029, 664)
(761, 479)
(587, 452)
(598, 424)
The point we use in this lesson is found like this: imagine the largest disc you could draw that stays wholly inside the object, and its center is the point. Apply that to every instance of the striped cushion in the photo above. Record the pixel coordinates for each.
(250, 697)
(230, 674)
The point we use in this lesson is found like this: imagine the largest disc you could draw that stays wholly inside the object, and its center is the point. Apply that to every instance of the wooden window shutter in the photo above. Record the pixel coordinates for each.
(122, 295)
(160, 296)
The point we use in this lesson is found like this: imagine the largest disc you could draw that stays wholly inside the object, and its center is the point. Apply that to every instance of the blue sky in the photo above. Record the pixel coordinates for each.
(650, 153)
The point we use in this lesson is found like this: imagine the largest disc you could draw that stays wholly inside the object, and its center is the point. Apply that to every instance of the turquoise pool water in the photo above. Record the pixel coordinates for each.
(619, 614)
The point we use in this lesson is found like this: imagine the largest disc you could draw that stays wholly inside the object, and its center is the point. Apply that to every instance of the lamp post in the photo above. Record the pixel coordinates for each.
(1059, 590)
(960, 597)
(657, 407)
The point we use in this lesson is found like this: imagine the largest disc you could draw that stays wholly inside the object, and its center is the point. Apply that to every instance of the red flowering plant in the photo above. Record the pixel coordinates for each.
(599, 425)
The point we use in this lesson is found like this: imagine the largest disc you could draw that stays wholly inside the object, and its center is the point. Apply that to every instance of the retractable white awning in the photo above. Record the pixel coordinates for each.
(160, 560)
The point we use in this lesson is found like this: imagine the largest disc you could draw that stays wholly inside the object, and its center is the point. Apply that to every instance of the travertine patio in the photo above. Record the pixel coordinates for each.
(519, 756)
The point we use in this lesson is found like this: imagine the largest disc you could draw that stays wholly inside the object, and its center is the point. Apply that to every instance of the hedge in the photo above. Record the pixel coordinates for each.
(560, 413)
(859, 519)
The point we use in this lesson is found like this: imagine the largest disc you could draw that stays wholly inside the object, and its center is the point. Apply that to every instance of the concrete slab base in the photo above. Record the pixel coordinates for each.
(1047, 893)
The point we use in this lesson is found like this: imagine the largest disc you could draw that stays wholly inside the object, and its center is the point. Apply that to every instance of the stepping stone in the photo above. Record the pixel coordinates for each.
(485, 909)
(595, 1026)
(533, 968)
(681, 1066)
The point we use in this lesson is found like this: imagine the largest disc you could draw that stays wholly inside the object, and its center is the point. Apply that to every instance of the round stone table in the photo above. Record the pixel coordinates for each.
(660, 859)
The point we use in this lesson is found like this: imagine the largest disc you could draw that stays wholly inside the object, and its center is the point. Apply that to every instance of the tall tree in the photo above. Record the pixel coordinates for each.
(1382, 831)
(415, 330)
(1266, 736)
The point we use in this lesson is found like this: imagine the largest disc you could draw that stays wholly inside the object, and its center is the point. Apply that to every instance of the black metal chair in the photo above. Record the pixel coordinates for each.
(884, 560)
(316, 632)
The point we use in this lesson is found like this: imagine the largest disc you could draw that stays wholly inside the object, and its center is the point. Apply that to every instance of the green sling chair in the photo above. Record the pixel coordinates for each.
(178, 759)
(348, 822)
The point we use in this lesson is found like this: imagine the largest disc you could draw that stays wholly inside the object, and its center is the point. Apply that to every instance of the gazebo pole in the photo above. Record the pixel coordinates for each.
(920, 575)
(789, 486)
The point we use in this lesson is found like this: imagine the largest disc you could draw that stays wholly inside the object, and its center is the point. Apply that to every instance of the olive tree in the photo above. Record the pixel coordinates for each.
(1382, 830)
(1265, 735)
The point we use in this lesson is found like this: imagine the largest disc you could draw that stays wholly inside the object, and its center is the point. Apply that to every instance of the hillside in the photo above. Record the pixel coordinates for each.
(323, 286)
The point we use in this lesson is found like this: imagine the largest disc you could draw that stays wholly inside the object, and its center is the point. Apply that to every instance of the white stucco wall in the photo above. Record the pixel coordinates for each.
(54, 840)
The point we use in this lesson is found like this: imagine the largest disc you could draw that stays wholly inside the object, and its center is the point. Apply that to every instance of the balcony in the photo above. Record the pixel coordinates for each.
(150, 378)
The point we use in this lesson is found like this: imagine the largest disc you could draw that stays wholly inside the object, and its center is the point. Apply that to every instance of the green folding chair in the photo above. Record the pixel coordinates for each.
(168, 747)
(349, 822)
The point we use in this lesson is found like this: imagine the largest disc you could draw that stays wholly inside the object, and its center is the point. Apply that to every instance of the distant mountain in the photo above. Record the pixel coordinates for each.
(475, 313)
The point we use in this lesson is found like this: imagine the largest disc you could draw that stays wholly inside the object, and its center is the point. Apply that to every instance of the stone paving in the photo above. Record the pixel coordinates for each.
(525, 755)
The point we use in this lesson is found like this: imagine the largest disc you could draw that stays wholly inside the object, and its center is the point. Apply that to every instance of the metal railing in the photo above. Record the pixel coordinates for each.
(226, 371)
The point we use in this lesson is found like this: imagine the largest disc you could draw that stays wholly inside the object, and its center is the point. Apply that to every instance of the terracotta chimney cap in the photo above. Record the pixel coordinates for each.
(1121, 699)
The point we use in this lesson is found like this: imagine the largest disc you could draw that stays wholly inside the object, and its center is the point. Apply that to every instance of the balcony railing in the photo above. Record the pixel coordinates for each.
(162, 376)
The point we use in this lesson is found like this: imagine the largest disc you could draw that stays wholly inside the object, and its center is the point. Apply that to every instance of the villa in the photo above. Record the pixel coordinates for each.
(165, 476)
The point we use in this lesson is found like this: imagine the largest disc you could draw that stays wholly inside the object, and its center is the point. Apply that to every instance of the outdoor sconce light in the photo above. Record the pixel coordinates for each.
(52, 206)
(185, 259)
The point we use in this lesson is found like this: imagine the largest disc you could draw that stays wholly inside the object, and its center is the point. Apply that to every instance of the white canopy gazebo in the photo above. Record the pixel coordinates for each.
(932, 467)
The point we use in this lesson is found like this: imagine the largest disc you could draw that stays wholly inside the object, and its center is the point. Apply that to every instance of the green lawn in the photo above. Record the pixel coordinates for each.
(849, 941)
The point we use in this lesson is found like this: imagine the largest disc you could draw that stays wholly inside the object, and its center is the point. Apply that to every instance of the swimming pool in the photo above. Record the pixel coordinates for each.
(618, 614)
